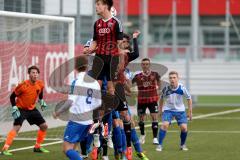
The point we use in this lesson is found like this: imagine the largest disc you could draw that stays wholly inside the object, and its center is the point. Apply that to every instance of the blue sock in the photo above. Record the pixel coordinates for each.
(110, 121)
(73, 155)
(183, 137)
(117, 136)
(124, 140)
(135, 140)
(161, 136)
(114, 145)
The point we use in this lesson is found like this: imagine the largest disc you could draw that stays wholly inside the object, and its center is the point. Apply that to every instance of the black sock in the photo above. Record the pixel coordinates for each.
(141, 126)
(104, 147)
(127, 129)
(83, 147)
(155, 129)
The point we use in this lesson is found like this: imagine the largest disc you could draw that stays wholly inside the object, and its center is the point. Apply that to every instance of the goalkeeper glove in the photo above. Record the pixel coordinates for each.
(43, 104)
(15, 112)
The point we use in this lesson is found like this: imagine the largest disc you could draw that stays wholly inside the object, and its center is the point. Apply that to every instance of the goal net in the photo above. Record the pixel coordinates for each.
(25, 40)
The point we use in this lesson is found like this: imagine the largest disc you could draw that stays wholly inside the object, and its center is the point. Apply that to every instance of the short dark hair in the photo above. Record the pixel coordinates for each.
(33, 67)
(81, 63)
(173, 72)
(146, 59)
(125, 35)
(109, 3)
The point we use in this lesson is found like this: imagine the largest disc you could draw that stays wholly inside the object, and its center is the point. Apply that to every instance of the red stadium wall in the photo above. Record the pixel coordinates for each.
(14, 63)
(164, 7)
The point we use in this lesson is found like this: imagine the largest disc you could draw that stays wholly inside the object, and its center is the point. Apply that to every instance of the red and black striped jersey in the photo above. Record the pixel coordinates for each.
(106, 34)
(147, 86)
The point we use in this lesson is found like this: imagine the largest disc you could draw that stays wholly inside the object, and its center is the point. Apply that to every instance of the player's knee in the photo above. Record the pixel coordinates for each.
(132, 123)
(154, 117)
(111, 90)
(183, 128)
(115, 123)
(17, 128)
(65, 147)
(126, 121)
(165, 126)
(125, 117)
(43, 127)
(141, 118)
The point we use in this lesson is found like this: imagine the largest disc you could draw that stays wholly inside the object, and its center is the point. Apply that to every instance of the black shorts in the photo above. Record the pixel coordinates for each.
(120, 94)
(32, 116)
(153, 108)
(105, 66)
(122, 106)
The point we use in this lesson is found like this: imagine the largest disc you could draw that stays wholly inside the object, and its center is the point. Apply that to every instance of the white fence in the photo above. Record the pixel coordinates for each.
(209, 77)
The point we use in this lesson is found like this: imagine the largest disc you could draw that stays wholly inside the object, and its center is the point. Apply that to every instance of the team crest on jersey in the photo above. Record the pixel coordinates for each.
(152, 77)
(110, 25)
(146, 84)
(99, 25)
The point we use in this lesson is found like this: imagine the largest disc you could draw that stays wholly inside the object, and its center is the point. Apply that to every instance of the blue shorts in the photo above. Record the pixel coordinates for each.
(75, 132)
(115, 115)
(181, 117)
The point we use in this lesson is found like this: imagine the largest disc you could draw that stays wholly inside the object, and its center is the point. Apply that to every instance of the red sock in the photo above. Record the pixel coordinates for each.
(40, 138)
(11, 135)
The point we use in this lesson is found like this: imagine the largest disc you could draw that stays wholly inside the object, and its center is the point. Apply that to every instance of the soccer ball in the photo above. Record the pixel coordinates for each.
(113, 11)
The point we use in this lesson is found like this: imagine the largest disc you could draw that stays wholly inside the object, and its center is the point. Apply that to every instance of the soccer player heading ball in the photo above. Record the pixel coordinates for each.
(23, 108)
(107, 36)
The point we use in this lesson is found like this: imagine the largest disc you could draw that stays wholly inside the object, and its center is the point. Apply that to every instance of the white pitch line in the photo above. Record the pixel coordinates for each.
(149, 125)
(215, 132)
(30, 147)
(202, 116)
(222, 118)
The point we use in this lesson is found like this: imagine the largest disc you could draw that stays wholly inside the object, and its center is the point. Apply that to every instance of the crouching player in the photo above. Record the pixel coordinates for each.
(23, 108)
(174, 108)
(84, 98)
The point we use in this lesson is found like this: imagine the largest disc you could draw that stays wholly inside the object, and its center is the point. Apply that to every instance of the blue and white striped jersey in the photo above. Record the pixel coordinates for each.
(86, 96)
(174, 98)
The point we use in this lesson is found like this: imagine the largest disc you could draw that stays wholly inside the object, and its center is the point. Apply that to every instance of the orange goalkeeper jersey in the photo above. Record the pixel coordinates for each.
(27, 94)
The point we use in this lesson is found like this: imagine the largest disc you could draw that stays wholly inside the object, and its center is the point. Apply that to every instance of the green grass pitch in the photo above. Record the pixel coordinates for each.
(211, 138)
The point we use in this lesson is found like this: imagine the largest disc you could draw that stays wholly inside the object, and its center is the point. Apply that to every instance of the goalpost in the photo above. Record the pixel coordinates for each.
(30, 39)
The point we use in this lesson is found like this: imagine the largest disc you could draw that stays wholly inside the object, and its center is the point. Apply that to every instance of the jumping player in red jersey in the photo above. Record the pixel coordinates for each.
(24, 108)
(127, 55)
(107, 36)
(148, 83)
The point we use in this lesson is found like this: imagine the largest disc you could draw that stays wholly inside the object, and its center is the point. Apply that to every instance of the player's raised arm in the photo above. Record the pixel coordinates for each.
(135, 53)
